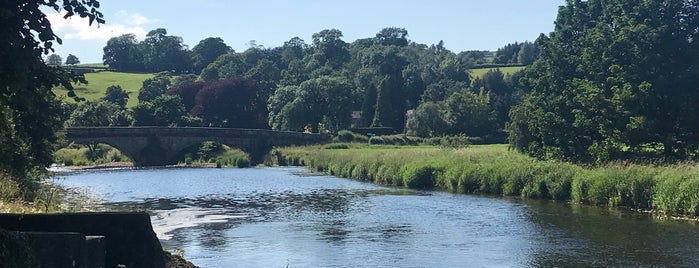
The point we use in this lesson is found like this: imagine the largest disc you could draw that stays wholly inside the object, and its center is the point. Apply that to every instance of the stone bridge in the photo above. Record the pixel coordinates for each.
(159, 146)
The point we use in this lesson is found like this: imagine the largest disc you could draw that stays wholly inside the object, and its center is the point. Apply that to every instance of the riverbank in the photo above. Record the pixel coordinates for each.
(495, 170)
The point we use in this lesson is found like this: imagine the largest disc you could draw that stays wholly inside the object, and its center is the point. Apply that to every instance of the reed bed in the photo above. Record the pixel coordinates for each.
(496, 170)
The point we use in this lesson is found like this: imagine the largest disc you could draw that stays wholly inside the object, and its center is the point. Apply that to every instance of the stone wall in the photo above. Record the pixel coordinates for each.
(129, 239)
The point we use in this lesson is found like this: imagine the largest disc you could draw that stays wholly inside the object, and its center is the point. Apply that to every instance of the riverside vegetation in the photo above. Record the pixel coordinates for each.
(497, 170)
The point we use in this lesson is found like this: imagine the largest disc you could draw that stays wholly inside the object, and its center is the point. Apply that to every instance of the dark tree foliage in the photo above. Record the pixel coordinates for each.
(507, 54)
(392, 36)
(231, 102)
(122, 53)
(29, 111)
(317, 87)
(163, 110)
(329, 50)
(321, 101)
(97, 114)
(615, 79)
(154, 87)
(207, 51)
(54, 60)
(159, 52)
(72, 60)
(162, 52)
(115, 94)
(187, 91)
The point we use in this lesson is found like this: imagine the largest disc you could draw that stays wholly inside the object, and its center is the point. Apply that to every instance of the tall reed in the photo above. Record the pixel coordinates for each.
(495, 170)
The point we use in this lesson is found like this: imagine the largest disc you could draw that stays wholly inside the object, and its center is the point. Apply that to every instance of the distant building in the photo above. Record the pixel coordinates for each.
(356, 119)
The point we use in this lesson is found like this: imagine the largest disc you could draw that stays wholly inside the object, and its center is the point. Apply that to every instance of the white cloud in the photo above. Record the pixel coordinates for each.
(79, 28)
(134, 19)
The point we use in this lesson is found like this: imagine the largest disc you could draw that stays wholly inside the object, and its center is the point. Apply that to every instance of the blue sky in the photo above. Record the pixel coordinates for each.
(463, 25)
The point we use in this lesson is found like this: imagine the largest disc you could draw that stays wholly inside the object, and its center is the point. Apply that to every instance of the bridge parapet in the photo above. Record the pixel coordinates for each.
(155, 146)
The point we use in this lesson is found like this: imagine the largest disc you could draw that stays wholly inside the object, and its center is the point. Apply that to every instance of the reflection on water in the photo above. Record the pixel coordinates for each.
(607, 237)
(274, 217)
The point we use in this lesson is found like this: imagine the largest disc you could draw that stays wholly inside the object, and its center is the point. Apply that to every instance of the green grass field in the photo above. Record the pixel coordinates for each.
(99, 81)
(92, 65)
(505, 70)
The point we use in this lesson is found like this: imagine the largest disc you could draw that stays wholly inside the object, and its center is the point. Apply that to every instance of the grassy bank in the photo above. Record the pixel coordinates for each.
(493, 169)
(41, 197)
(207, 154)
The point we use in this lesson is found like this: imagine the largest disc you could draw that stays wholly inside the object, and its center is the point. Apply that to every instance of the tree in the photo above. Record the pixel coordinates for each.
(427, 120)
(54, 60)
(294, 49)
(469, 113)
(163, 110)
(187, 91)
(122, 53)
(29, 111)
(392, 36)
(72, 60)
(225, 66)
(231, 102)
(115, 94)
(154, 87)
(323, 100)
(97, 114)
(527, 54)
(207, 51)
(162, 52)
(329, 49)
(615, 79)
(507, 54)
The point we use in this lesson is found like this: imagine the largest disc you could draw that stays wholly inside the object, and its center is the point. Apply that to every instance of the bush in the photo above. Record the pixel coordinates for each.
(242, 162)
(9, 189)
(333, 146)
(454, 142)
(376, 140)
(345, 136)
(418, 177)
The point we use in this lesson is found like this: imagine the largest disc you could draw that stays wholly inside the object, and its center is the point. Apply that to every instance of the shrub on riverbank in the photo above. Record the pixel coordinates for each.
(493, 169)
(81, 155)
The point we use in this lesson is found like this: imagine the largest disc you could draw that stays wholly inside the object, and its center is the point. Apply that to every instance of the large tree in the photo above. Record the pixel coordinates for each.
(115, 94)
(614, 78)
(162, 52)
(29, 111)
(231, 102)
(207, 51)
(324, 100)
(122, 53)
(163, 110)
(54, 60)
(72, 60)
(98, 113)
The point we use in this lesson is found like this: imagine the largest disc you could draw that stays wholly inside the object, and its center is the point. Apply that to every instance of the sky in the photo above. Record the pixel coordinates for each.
(461, 24)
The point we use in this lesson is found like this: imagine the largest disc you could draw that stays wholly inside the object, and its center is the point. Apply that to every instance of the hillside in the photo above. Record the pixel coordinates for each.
(505, 70)
(99, 81)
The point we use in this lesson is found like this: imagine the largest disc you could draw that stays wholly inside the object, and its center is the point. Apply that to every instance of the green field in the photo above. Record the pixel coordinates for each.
(92, 65)
(99, 81)
(505, 70)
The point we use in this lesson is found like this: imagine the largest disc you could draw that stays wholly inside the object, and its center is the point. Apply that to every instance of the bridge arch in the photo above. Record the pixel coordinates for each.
(159, 146)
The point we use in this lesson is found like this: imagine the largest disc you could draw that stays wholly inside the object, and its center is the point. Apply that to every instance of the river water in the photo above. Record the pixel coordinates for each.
(288, 217)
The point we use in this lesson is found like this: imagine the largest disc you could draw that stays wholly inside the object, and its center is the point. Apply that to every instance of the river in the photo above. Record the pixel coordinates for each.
(288, 217)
